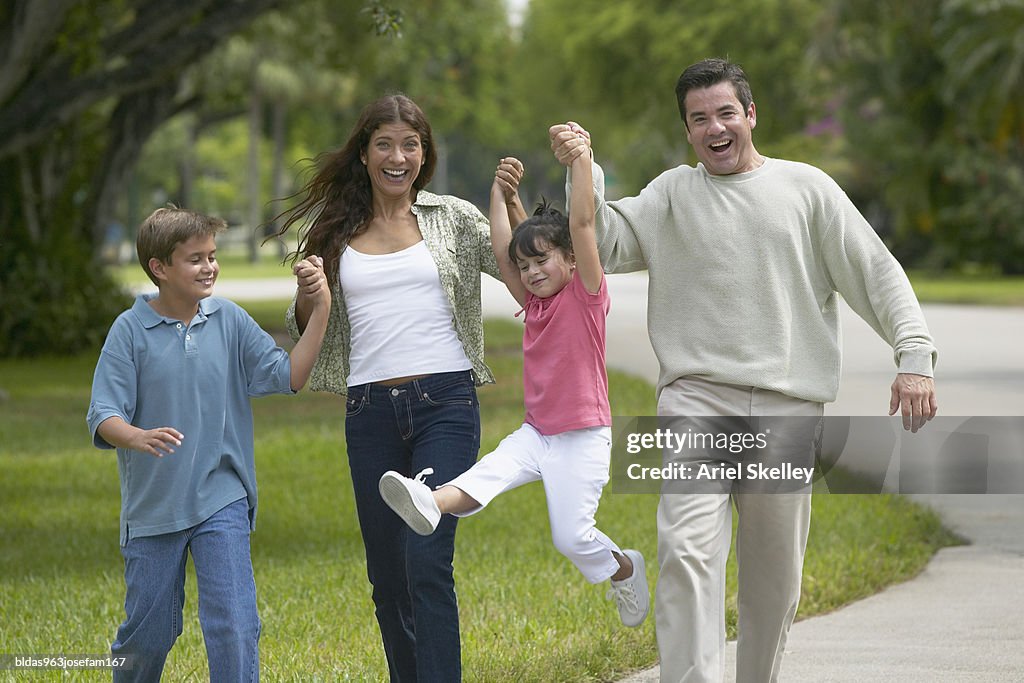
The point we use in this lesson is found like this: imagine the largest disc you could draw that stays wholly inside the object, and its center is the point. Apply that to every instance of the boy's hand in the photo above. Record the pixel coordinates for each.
(312, 283)
(568, 141)
(508, 176)
(157, 442)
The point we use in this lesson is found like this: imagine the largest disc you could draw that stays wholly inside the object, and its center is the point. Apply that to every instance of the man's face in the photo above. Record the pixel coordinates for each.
(720, 131)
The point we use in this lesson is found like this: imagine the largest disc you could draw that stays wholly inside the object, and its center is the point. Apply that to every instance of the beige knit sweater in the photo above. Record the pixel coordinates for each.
(745, 272)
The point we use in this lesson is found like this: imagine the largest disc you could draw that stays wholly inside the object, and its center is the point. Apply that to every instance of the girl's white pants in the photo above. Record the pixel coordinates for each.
(573, 467)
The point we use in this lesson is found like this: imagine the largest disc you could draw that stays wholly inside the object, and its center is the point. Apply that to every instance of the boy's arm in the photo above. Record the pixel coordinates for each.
(310, 274)
(158, 442)
(581, 222)
(501, 234)
(305, 293)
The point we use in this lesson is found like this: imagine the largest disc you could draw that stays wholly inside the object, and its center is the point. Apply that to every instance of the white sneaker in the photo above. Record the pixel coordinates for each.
(631, 594)
(412, 500)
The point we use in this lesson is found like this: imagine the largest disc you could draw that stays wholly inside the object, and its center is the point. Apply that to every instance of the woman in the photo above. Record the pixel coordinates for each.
(404, 344)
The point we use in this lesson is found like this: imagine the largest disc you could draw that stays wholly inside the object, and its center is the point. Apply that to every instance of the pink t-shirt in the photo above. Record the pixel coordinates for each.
(564, 378)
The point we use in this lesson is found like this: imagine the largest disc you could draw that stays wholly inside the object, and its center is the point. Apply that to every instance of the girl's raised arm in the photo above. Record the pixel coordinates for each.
(581, 217)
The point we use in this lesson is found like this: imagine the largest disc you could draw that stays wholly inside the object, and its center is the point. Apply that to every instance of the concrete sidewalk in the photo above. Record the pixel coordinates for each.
(961, 619)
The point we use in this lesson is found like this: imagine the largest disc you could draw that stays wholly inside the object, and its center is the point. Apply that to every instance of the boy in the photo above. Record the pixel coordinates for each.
(184, 358)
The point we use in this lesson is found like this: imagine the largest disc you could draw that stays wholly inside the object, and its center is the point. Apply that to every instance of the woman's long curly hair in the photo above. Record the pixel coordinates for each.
(337, 203)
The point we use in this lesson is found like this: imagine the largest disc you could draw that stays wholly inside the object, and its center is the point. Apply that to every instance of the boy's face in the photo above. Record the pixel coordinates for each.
(192, 271)
(545, 275)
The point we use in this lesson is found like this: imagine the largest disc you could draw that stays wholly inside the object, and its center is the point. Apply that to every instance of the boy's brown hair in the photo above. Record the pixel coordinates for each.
(166, 228)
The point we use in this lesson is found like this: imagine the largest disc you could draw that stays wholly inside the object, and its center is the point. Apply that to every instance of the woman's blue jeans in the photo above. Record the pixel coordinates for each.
(154, 571)
(429, 422)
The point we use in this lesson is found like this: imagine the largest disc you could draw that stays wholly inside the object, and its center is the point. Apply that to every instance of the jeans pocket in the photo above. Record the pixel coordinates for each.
(460, 392)
(354, 404)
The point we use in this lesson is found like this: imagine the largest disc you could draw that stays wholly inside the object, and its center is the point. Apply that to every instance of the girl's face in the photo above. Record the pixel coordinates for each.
(393, 159)
(545, 275)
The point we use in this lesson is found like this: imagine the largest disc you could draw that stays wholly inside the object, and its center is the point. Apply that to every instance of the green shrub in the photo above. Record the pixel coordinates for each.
(55, 301)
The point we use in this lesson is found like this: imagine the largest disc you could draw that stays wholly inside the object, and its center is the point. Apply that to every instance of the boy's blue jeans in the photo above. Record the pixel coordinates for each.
(429, 422)
(154, 571)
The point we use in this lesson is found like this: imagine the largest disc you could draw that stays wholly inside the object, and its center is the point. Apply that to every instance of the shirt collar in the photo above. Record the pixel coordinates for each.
(424, 199)
(150, 318)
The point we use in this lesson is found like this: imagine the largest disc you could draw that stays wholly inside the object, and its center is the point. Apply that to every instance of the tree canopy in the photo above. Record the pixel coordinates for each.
(83, 85)
(109, 106)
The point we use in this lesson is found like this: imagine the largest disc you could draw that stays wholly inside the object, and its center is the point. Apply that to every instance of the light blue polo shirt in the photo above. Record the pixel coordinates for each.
(154, 372)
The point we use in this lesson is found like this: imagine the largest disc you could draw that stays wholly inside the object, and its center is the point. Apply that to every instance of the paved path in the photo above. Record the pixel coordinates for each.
(961, 619)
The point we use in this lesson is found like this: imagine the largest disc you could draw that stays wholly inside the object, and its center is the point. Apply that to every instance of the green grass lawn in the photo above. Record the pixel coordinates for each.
(526, 613)
(980, 288)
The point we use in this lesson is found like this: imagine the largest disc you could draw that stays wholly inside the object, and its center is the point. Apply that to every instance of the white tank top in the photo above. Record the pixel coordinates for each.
(400, 317)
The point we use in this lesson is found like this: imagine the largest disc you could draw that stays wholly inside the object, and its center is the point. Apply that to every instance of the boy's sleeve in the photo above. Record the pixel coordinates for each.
(114, 385)
(267, 366)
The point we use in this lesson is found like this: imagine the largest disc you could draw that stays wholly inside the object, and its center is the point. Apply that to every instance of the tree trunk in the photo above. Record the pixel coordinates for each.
(254, 217)
(187, 164)
(134, 120)
(163, 38)
(280, 114)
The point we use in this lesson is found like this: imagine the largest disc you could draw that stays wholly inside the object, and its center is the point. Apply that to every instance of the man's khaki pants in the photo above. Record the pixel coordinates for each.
(694, 533)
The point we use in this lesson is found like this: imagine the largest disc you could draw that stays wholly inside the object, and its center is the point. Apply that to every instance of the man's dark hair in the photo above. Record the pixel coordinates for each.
(707, 73)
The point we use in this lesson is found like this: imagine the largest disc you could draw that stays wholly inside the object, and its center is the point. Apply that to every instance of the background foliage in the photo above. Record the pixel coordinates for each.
(110, 108)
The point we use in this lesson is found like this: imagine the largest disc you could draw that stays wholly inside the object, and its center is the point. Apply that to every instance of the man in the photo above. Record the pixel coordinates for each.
(746, 258)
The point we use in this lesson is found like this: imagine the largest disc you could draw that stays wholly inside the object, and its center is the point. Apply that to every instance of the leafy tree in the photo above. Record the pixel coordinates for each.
(315, 71)
(981, 220)
(614, 66)
(453, 61)
(933, 113)
(83, 85)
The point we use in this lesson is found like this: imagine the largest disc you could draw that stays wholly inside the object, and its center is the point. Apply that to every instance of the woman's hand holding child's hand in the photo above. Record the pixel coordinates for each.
(312, 282)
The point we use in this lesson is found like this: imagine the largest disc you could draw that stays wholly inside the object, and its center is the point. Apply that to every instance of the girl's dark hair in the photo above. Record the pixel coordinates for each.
(338, 201)
(547, 225)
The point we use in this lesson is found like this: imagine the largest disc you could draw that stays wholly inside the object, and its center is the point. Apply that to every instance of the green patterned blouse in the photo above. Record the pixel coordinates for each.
(457, 235)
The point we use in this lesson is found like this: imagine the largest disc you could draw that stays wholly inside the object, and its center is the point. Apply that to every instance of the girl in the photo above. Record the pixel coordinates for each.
(565, 440)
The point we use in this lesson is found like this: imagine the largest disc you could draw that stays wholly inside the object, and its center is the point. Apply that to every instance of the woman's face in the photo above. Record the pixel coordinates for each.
(393, 159)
